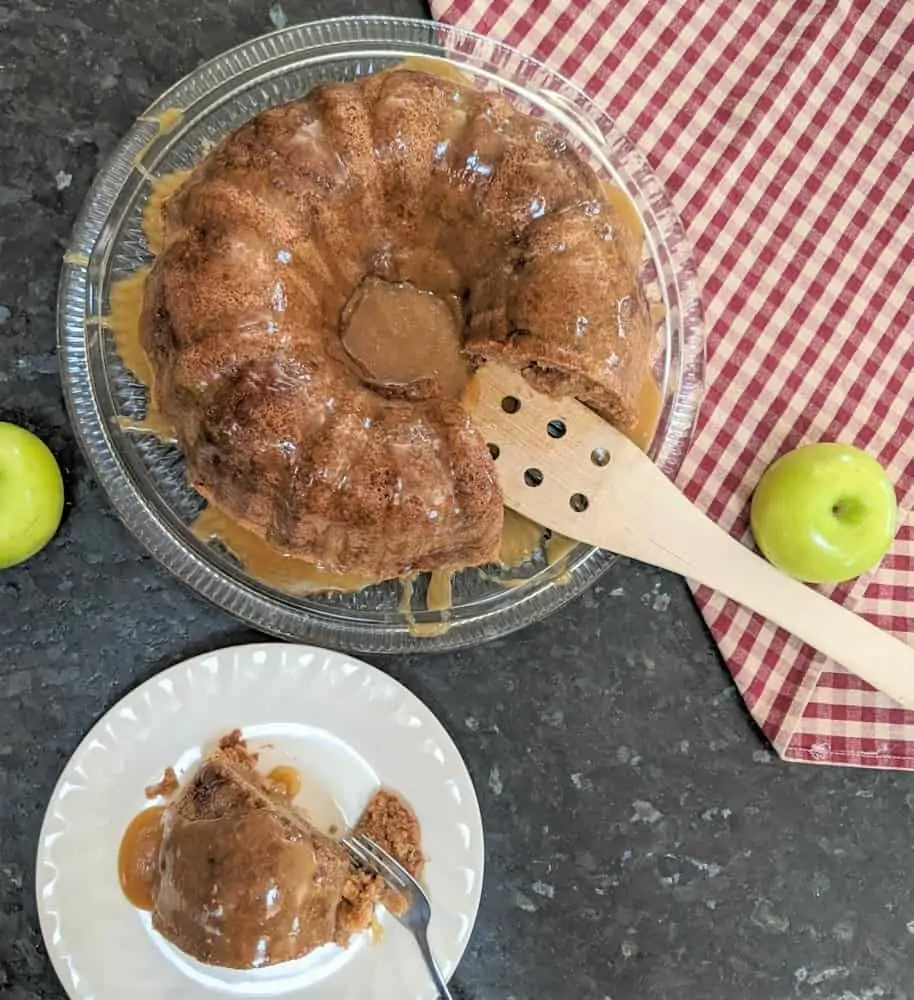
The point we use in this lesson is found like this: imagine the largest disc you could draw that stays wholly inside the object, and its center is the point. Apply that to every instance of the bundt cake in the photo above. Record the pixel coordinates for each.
(398, 183)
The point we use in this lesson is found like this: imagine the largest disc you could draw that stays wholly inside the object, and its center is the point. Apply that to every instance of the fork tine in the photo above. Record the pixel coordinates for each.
(366, 857)
(388, 865)
(356, 850)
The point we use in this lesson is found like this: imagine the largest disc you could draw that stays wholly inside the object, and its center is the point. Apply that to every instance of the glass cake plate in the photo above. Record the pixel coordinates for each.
(144, 476)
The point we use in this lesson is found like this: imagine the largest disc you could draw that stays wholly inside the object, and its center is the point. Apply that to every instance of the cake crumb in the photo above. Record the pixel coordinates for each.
(231, 740)
(392, 825)
(234, 747)
(164, 788)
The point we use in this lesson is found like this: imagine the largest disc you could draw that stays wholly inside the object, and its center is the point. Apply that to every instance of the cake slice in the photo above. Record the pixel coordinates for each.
(567, 311)
(244, 880)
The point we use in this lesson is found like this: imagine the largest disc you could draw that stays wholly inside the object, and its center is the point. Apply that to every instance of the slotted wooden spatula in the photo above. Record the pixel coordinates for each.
(565, 468)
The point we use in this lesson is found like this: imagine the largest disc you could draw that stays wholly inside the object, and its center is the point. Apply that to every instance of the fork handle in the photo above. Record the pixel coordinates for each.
(434, 971)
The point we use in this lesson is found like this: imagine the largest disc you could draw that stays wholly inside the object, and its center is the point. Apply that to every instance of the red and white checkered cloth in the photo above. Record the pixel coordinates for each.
(784, 134)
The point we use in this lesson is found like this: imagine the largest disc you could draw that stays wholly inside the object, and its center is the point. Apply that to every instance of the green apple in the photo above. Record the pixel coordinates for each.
(31, 495)
(824, 513)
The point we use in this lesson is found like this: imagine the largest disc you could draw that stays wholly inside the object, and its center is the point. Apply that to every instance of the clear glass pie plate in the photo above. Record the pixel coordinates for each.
(144, 476)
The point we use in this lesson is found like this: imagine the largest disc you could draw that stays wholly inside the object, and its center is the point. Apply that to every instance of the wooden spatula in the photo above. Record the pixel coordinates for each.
(565, 468)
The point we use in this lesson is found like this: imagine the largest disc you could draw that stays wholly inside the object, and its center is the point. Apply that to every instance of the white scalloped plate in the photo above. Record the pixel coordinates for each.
(347, 727)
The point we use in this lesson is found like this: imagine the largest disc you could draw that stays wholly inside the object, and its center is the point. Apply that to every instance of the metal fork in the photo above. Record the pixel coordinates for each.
(418, 912)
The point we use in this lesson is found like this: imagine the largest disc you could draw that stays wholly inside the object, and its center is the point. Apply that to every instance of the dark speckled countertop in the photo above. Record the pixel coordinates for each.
(642, 842)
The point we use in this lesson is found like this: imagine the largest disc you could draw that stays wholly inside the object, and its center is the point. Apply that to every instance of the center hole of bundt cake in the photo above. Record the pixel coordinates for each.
(400, 334)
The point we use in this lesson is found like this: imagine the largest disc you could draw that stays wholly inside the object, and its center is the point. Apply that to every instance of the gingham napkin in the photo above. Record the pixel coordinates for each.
(784, 134)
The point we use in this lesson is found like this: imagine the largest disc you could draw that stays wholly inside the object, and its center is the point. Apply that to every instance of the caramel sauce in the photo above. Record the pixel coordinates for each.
(76, 258)
(153, 215)
(401, 334)
(165, 120)
(650, 403)
(426, 630)
(138, 857)
(557, 547)
(405, 604)
(123, 320)
(287, 778)
(625, 209)
(521, 538)
(152, 424)
(277, 569)
(434, 67)
(126, 301)
(438, 596)
(438, 593)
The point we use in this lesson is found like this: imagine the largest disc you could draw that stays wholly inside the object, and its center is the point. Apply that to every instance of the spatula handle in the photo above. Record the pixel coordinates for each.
(862, 648)
(684, 540)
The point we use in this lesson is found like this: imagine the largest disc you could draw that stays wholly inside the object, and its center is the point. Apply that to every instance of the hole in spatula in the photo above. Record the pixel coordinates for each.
(510, 404)
(533, 477)
(494, 450)
(600, 456)
(579, 503)
(556, 428)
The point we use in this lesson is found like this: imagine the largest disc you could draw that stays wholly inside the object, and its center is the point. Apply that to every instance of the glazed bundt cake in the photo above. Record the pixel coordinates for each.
(400, 180)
